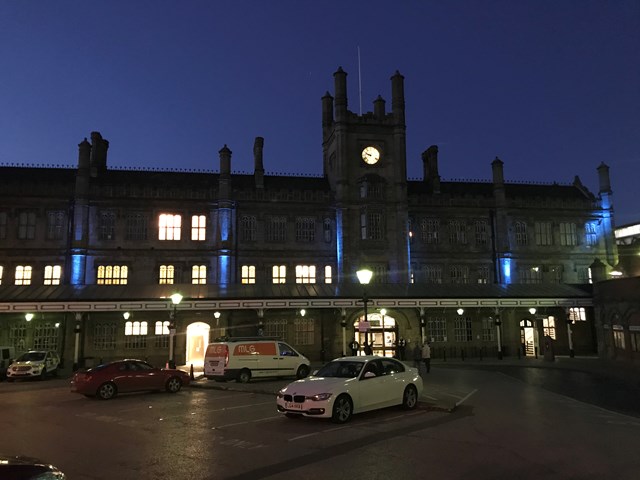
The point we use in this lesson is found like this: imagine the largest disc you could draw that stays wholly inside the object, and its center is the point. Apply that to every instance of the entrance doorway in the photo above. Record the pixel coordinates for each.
(528, 338)
(197, 341)
(382, 334)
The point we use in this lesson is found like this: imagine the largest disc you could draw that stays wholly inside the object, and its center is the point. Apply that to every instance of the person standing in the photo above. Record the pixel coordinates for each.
(354, 346)
(426, 355)
(417, 355)
(402, 344)
(367, 349)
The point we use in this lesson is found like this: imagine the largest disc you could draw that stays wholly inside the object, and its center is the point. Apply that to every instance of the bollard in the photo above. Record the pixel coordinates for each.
(191, 373)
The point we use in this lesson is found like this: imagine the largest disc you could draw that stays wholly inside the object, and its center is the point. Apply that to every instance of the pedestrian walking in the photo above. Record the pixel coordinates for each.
(426, 355)
(354, 346)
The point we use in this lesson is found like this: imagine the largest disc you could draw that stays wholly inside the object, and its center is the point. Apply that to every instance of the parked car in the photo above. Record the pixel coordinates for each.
(107, 380)
(26, 468)
(34, 364)
(350, 385)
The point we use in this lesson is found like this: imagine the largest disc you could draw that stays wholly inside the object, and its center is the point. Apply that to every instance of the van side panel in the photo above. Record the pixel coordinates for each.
(255, 349)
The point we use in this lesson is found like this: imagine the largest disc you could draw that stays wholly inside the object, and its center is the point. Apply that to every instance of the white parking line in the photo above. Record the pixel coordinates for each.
(465, 398)
(239, 406)
(266, 419)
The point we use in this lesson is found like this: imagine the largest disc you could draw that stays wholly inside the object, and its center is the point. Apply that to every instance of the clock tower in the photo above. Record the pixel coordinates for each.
(364, 160)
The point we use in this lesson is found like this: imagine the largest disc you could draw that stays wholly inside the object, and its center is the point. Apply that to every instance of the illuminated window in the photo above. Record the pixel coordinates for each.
(199, 274)
(104, 336)
(23, 275)
(162, 334)
(135, 335)
(26, 225)
(462, 329)
(584, 274)
(45, 336)
(248, 228)
(137, 224)
(549, 327)
(303, 331)
(107, 226)
(544, 233)
(521, 234)
(305, 229)
(482, 232)
(457, 232)
(169, 227)
(430, 230)
(1, 273)
(437, 327)
(328, 274)
(634, 336)
(167, 273)
(591, 234)
(568, 235)
(305, 274)
(112, 274)
(52, 274)
(279, 274)
(248, 274)
(198, 228)
(577, 314)
(618, 337)
(55, 225)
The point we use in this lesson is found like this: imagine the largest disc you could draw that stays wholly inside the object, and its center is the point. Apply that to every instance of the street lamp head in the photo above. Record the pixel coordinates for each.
(460, 311)
(126, 315)
(383, 311)
(176, 298)
(532, 311)
(364, 276)
(28, 317)
(216, 315)
(303, 312)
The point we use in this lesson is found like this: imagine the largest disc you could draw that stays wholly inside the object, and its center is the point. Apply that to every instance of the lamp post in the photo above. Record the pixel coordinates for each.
(176, 298)
(570, 333)
(498, 323)
(383, 312)
(364, 277)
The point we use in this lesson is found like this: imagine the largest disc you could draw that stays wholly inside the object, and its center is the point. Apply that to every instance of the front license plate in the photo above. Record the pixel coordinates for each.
(292, 406)
(213, 363)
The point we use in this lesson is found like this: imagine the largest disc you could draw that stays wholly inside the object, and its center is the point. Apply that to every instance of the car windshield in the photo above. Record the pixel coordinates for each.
(340, 369)
(31, 356)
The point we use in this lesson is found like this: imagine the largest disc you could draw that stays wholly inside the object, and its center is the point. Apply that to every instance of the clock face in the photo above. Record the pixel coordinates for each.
(371, 155)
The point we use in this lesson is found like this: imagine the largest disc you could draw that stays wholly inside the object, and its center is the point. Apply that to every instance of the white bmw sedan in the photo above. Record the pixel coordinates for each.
(350, 385)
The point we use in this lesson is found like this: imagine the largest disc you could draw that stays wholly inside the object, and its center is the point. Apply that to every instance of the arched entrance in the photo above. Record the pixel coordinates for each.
(528, 338)
(382, 334)
(197, 341)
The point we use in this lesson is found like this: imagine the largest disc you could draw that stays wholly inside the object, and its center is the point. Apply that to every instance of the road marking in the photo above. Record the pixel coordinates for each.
(429, 397)
(266, 419)
(465, 398)
(239, 406)
(316, 433)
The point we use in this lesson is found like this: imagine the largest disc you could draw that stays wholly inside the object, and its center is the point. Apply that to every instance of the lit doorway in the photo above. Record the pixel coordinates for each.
(382, 334)
(528, 338)
(197, 341)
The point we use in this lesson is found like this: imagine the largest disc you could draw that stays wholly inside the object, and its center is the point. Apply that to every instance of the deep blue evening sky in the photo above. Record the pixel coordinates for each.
(551, 87)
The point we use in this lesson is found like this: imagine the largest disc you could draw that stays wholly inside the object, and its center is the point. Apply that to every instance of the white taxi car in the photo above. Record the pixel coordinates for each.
(350, 385)
(34, 364)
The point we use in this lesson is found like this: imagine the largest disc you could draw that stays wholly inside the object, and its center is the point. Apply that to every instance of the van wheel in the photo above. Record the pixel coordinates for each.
(244, 376)
(302, 372)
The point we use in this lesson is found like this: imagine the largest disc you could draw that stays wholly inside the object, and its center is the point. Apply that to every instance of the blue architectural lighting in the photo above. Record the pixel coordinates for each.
(78, 266)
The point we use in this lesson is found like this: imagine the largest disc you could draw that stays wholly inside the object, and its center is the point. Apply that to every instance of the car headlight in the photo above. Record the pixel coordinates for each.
(320, 397)
(281, 393)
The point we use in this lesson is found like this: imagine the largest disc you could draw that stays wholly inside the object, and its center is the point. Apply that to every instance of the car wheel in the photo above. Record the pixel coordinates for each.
(107, 391)
(174, 384)
(293, 416)
(342, 409)
(302, 372)
(410, 398)
(244, 376)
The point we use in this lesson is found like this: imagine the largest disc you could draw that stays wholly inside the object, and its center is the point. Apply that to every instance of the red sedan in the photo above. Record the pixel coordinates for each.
(107, 380)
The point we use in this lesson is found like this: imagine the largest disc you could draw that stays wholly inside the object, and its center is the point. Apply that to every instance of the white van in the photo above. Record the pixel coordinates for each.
(242, 358)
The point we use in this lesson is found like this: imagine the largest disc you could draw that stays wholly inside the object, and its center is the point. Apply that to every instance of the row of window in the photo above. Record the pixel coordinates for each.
(463, 331)
(619, 338)
(566, 233)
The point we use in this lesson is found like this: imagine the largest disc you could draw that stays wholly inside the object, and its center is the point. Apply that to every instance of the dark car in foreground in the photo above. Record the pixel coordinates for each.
(123, 376)
(26, 468)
